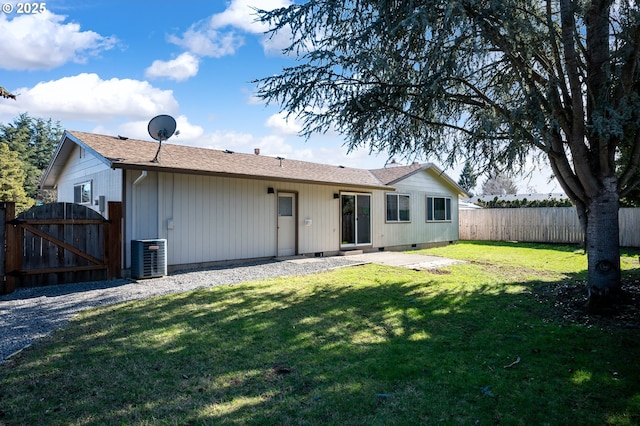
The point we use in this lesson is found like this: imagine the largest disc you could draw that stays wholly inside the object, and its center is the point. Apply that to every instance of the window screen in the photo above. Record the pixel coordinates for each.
(438, 209)
(82, 193)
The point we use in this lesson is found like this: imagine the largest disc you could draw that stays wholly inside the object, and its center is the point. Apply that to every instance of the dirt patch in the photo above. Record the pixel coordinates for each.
(437, 271)
(569, 302)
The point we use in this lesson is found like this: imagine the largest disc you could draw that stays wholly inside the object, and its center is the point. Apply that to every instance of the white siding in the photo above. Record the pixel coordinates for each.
(206, 218)
(217, 218)
(78, 169)
(420, 186)
(141, 206)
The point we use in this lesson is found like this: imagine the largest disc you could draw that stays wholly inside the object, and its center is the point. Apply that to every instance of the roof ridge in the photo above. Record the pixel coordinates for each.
(219, 150)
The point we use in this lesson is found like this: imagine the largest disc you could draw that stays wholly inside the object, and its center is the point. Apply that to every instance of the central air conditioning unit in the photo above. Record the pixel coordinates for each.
(148, 258)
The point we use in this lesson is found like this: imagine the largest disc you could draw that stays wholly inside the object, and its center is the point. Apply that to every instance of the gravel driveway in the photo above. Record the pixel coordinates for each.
(31, 313)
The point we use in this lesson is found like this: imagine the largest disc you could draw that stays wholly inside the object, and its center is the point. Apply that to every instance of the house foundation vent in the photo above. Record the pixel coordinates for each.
(148, 258)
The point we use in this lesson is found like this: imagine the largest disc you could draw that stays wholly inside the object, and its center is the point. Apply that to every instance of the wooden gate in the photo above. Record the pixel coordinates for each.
(59, 243)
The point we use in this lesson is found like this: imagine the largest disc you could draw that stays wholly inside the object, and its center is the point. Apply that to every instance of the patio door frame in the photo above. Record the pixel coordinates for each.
(360, 213)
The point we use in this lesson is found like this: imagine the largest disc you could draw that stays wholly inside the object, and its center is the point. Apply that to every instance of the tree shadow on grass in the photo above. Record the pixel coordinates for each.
(353, 347)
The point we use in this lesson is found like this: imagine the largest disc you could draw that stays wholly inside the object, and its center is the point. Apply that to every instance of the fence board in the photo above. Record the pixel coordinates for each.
(540, 224)
(12, 248)
(3, 228)
(58, 243)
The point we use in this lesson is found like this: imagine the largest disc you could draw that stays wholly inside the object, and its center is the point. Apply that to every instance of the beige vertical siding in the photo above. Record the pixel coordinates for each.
(141, 206)
(545, 224)
(418, 231)
(217, 218)
(210, 218)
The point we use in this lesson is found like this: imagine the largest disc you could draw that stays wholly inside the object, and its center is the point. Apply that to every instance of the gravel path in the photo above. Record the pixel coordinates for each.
(31, 313)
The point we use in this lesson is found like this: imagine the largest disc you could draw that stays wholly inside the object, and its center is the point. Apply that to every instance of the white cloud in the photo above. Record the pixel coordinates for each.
(139, 130)
(203, 40)
(42, 41)
(188, 131)
(283, 125)
(251, 97)
(178, 69)
(270, 145)
(242, 14)
(88, 97)
(217, 35)
(273, 45)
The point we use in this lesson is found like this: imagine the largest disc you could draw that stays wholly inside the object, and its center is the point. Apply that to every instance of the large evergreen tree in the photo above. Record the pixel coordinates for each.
(12, 179)
(468, 178)
(491, 80)
(35, 140)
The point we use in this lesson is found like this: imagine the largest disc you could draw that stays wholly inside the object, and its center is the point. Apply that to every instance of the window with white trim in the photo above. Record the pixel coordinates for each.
(82, 193)
(438, 209)
(398, 208)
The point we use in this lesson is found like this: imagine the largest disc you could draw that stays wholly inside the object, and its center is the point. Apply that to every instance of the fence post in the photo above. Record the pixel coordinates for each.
(12, 256)
(114, 240)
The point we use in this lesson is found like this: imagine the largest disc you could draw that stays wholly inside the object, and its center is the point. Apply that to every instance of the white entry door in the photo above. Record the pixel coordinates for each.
(286, 224)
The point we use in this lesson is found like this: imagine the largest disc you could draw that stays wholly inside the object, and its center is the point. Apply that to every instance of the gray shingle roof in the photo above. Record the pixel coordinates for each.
(137, 154)
(390, 175)
(133, 154)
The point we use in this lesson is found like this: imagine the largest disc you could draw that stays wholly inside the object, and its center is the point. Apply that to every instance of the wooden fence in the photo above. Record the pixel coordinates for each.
(58, 243)
(540, 224)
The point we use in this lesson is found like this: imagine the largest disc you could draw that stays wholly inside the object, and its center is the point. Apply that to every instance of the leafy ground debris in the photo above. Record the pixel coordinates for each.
(570, 303)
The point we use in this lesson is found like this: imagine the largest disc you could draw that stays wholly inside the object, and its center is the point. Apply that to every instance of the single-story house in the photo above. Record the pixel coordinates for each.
(212, 205)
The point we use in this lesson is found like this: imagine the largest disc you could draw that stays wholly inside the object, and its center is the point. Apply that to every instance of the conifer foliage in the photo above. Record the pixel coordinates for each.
(493, 81)
(32, 142)
(12, 179)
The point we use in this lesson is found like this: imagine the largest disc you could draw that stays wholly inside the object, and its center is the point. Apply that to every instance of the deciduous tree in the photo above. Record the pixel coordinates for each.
(489, 80)
(499, 184)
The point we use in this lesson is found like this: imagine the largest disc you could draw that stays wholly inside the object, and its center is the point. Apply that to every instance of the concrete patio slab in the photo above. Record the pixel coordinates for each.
(406, 260)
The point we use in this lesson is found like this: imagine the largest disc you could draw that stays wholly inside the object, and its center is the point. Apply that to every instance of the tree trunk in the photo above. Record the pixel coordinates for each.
(603, 250)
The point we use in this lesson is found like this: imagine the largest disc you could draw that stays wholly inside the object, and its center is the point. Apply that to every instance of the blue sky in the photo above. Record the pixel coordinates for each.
(109, 66)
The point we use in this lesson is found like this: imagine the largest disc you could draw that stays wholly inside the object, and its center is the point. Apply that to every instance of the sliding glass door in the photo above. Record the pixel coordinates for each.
(356, 219)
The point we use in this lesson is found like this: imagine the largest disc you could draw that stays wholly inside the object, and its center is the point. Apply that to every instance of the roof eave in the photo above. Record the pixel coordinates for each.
(441, 173)
(60, 157)
(461, 192)
(153, 167)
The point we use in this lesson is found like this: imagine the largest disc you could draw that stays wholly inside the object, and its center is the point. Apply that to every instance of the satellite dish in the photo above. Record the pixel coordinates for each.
(161, 128)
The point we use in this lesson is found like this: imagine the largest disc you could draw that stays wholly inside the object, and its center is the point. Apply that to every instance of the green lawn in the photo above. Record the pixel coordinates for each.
(466, 344)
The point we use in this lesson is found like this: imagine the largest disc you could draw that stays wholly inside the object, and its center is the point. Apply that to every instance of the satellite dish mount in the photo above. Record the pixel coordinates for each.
(161, 128)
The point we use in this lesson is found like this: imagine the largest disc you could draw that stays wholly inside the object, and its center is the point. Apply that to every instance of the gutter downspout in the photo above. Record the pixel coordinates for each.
(140, 178)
